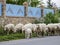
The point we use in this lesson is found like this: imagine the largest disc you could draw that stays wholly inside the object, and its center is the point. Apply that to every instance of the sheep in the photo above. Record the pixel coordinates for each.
(43, 28)
(58, 28)
(9, 27)
(30, 26)
(28, 33)
(33, 27)
(52, 28)
(58, 24)
(26, 26)
(18, 27)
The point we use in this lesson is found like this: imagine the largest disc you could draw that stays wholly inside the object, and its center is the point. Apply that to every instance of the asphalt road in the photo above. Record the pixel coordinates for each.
(55, 40)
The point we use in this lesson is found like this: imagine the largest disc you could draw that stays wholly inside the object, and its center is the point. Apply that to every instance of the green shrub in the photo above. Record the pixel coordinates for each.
(50, 18)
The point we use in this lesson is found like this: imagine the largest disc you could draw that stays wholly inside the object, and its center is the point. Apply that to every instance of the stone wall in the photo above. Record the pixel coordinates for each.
(1, 20)
(16, 20)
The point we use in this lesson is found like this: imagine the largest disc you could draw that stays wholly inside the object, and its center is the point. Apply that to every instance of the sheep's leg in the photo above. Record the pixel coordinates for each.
(55, 32)
(42, 33)
(59, 32)
(25, 35)
(51, 33)
(47, 34)
(22, 32)
(8, 32)
(37, 34)
(28, 36)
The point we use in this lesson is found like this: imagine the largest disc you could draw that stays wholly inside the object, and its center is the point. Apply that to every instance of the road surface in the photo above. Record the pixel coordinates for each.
(55, 40)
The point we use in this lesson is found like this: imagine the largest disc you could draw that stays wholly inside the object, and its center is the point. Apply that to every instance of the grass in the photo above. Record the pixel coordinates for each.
(12, 37)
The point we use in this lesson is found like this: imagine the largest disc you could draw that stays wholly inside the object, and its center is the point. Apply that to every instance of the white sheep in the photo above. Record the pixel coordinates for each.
(59, 28)
(57, 31)
(43, 28)
(28, 29)
(33, 27)
(58, 24)
(52, 28)
(9, 27)
(18, 27)
(26, 26)
(28, 33)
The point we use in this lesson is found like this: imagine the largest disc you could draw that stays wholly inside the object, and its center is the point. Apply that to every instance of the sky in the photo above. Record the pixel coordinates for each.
(55, 1)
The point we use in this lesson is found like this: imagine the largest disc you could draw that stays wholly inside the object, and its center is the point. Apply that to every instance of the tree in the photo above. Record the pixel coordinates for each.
(18, 2)
(32, 3)
(8, 1)
(49, 4)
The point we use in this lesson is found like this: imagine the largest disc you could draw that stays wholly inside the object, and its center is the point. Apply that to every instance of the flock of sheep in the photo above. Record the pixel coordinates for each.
(40, 29)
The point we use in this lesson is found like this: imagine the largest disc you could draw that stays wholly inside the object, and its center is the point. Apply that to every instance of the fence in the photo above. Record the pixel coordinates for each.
(14, 10)
(18, 10)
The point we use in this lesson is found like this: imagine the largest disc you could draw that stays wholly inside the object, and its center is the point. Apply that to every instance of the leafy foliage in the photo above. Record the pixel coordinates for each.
(33, 3)
(50, 18)
(19, 2)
